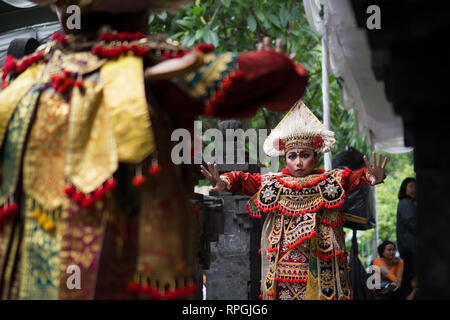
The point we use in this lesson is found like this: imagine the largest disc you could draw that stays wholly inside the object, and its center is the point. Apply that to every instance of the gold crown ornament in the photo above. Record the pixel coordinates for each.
(299, 129)
(117, 6)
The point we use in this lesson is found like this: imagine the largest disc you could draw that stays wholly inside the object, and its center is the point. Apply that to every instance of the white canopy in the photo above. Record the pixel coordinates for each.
(349, 59)
(20, 3)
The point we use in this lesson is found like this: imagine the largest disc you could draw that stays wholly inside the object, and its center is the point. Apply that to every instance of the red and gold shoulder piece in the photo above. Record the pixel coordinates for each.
(299, 195)
(12, 67)
(111, 44)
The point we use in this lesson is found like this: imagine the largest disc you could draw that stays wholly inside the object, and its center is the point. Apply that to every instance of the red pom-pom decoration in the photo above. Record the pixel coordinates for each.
(138, 180)
(99, 194)
(88, 202)
(154, 169)
(78, 197)
(169, 296)
(279, 144)
(78, 83)
(238, 75)
(70, 191)
(21, 67)
(110, 185)
(8, 212)
(219, 96)
(10, 65)
(133, 287)
(12, 210)
(205, 47)
(59, 37)
(227, 83)
(317, 141)
(143, 51)
(144, 289)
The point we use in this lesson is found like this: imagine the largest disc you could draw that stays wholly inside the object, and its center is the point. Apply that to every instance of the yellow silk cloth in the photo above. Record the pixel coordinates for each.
(10, 97)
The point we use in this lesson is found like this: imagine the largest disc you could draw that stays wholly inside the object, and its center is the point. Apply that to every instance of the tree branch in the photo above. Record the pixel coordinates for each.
(214, 14)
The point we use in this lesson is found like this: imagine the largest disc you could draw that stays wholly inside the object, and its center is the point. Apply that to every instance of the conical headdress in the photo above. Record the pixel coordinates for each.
(299, 129)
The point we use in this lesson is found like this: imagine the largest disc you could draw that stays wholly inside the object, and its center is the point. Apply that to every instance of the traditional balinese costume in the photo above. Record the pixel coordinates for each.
(87, 182)
(303, 250)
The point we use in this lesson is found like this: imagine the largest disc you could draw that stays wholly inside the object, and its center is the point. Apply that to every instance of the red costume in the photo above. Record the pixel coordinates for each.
(302, 242)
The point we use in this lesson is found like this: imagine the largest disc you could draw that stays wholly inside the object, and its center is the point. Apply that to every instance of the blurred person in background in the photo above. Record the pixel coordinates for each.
(406, 231)
(391, 269)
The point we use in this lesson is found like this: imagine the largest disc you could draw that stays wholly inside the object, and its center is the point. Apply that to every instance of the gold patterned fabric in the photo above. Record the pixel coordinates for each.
(10, 238)
(80, 62)
(302, 243)
(45, 155)
(81, 245)
(12, 153)
(40, 259)
(295, 196)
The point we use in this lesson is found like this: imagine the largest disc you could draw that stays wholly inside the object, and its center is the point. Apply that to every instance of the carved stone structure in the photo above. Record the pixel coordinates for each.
(234, 272)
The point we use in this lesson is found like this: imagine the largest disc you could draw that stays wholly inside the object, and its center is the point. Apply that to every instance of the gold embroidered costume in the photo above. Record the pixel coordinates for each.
(303, 255)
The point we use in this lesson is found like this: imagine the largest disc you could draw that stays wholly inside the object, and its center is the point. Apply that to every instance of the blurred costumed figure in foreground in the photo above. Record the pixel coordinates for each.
(87, 182)
(302, 243)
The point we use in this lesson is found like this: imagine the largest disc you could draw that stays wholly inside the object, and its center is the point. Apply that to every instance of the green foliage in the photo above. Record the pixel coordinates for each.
(235, 25)
(399, 167)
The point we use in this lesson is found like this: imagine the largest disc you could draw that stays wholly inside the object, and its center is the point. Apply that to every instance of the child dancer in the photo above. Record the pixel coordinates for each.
(302, 242)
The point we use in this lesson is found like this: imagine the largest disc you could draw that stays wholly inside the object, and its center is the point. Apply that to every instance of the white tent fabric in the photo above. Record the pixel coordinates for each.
(349, 59)
(20, 3)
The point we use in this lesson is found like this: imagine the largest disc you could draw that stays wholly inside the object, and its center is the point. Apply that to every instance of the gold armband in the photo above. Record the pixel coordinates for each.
(226, 181)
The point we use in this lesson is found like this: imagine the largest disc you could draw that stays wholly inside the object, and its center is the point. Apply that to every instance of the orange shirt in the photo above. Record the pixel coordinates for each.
(393, 270)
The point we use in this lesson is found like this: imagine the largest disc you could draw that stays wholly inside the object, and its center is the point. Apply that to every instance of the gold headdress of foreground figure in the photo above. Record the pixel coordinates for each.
(299, 129)
(118, 6)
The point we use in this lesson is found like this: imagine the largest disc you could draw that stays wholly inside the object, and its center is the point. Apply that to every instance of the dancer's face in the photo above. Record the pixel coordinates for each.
(301, 162)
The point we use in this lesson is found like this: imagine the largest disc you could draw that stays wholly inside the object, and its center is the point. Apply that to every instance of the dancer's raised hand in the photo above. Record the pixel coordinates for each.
(375, 172)
(212, 174)
(265, 45)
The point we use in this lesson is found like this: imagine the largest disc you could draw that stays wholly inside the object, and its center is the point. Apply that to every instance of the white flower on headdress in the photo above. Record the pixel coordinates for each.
(300, 128)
